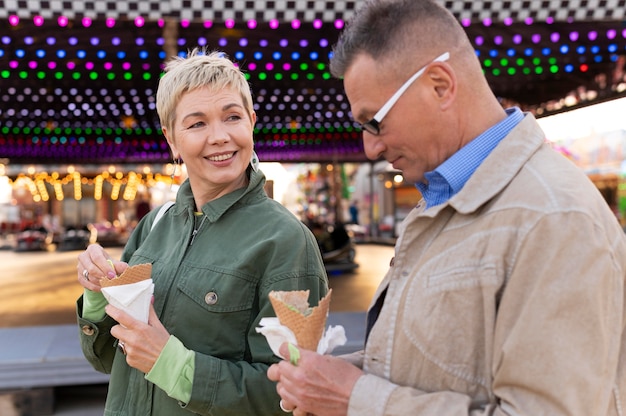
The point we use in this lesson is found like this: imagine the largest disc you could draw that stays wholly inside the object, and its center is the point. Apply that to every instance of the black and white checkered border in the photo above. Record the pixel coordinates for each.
(474, 11)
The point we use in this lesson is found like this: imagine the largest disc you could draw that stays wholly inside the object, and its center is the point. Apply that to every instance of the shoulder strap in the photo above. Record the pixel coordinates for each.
(161, 212)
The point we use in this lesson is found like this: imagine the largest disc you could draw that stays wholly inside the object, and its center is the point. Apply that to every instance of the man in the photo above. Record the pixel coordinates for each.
(506, 293)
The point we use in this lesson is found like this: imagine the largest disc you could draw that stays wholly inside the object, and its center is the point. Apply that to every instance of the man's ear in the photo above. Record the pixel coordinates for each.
(444, 83)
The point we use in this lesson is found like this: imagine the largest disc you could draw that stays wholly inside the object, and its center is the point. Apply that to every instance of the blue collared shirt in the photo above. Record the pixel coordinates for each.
(450, 177)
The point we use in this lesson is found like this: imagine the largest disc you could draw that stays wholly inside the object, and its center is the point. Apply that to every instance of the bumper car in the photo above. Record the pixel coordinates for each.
(337, 247)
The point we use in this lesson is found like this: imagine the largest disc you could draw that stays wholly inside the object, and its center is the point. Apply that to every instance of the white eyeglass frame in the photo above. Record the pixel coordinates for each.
(373, 126)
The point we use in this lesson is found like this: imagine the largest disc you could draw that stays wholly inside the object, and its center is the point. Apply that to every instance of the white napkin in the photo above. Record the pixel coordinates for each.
(133, 298)
(276, 334)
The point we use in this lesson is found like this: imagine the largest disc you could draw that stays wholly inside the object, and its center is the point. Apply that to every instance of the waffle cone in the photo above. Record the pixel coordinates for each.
(132, 274)
(307, 324)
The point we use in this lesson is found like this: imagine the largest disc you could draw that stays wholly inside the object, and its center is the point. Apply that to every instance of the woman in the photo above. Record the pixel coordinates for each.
(216, 254)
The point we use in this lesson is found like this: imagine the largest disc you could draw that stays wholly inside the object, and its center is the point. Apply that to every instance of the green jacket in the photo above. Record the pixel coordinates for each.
(211, 296)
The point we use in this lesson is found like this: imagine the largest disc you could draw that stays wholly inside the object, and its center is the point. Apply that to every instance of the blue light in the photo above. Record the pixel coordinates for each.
(314, 56)
(564, 49)
(20, 53)
(528, 51)
(295, 56)
(595, 49)
(493, 53)
(61, 53)
(581, 49)
(81, 54)
(276, 56)
(239, 55)
(121, 55)
(597, 58)
(545, 51)
(101, 54)
(612, 48)
(258, 56)
(510, 52)
(569, 68)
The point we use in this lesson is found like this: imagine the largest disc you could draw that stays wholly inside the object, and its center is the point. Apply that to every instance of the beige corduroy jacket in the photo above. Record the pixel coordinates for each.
(507, 300)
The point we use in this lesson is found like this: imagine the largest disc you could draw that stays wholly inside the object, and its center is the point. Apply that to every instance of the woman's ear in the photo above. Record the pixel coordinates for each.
(170, 142)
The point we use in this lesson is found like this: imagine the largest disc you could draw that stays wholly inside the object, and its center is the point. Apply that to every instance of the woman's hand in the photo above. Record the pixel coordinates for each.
(142, 343)
(93, 264)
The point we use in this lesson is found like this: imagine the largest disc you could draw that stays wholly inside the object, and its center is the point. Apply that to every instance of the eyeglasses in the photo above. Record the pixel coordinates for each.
(373, 126)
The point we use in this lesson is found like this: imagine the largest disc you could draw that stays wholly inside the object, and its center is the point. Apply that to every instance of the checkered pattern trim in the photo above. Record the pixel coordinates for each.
(326, 10)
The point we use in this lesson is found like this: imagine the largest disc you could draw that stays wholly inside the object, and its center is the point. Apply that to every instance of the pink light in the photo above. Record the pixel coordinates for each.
(86, 21)
(295, 24)
(32, 64)
(286, 66)
(517, 39)
(110, 22)
(13, 64)
(38, 20)
(479, 40)
(252, 24)
(252, 66)
(274, 24)
(229, 23)
(14, 20)
(611, 33)
(62, 21)
(208, 24)
(339, 24)
(184, 23)
(466, 22)
(508, 21)
(71, 65)
(554, 37)
(108, 66)
(145, 67)
(269, 66)
(89, 65)
(593, 35)
(528, 21)
(536, 38)
(317, 24)
(139, 21)
(497, 40)
(126, 66)
(161, 23)
(550, 20)
(487, 22)
(573, 36)
(52, 65)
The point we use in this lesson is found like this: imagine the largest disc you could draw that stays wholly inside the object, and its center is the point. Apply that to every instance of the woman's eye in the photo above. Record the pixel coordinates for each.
(196, 125)
(234, 117)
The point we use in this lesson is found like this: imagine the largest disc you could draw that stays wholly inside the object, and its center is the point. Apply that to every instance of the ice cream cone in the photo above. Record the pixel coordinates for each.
(293, 311)
(132, 274)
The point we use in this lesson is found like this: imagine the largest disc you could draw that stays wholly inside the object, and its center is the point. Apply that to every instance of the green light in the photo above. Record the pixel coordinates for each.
(93, 75)
(554, 69)
(536, 61)
(41, 74)
(76, 75)
(504, 62)
(37, 130)
(325, 75)
(128, 76)
(57, 130)
(304, 66)
(488, 63)
(262, 76)
(247, 76)
(538, 70)
(552, 61)
(110, 76)
(511, 71)
(5, 130)
(278, 76)
(496, 72)
(520, 61)
(16, 130)
(310, 76)
(147, 76)
(67, 130)
(294, 76)
(321, 66)
(526, 71)
(58, 75)
(23, 74)
(5, 74)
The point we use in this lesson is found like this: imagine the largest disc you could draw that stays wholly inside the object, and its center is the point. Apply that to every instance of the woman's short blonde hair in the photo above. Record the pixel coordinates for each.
(198, 70)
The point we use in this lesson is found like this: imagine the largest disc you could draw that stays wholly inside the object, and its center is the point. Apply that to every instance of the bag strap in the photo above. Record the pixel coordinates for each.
(161, 212)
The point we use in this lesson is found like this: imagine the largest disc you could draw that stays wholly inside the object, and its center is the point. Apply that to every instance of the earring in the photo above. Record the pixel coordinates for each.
(254, 161)
(177, 162)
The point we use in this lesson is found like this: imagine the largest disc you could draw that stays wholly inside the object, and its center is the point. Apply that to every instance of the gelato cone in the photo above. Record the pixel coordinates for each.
(293, 311)
(132, 274)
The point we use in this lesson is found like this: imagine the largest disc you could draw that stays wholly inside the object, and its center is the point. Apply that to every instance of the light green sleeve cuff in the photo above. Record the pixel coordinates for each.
(174, 369)
(93, 306)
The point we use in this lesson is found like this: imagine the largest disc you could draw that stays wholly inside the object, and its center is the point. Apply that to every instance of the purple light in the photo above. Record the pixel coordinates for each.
(304, 43)
(497, 40)
(62, 21)
(508, 21)
(73, 41)
(229, 23)
(222, 42)
(139, 41)
(624, 33)
(339, 24)
(550, 20)
(323, 43)
(139, 21)
(94, 41)
(479, 40)
(611, 34)
(528, 21)
(593, 35)
(110, 22)
(487, 22)
(86, 21)
(283, 42)
(202, 41)
(208, 24)
(14, 20)
(295, 24)
(181, 41)
(554, 37)
(573, 36)
(243, 42)
(317, 24)
(263, 43)
(536, 38)
(252, 24)
(145, 67)
(116, 41)
(273, 24)
(517, 39)
(466, 22)
(29, 40)
(38, 20)
(51, 41)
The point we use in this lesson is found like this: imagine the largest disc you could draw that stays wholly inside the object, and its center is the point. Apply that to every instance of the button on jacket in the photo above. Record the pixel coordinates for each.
(506, 300)
(211, 295)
